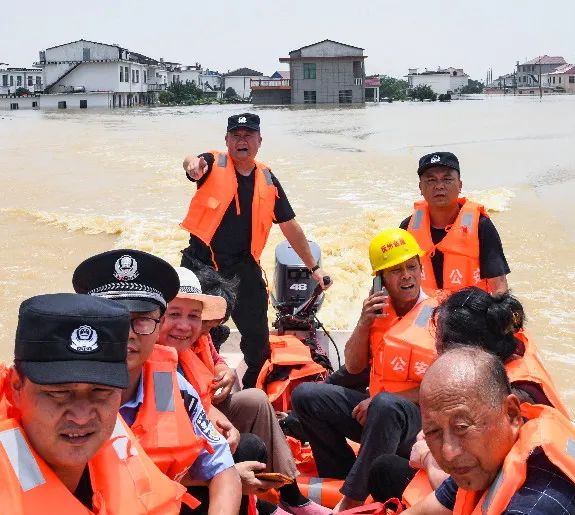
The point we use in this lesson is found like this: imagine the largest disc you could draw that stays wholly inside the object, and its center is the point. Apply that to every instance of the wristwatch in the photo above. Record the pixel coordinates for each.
(313, 269)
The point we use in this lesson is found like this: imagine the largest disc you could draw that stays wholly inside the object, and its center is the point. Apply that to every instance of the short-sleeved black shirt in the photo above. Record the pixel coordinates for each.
(232, 240)
(492, 261)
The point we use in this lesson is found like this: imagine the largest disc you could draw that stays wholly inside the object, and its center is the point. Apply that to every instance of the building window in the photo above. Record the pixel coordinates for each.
(11, 80)
(4, 80)
(309, 71)
(83, 104)
(19, 80)
(345, 96)
(34, 104)
(145, 76)
(62, 104)
(126, 74)
(559, 80)
(14, 106)
(30, 80)
(121, 74)
(137, 75)
(309, 97)
(85, 54)
(357, 71)
(571, 79)
(553, 80)
(38, 80)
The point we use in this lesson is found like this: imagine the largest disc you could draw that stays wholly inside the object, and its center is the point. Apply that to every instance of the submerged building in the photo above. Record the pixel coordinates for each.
(326, 72)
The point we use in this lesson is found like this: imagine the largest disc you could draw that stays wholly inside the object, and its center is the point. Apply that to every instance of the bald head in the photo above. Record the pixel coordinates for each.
(469, 416)
(470, 371)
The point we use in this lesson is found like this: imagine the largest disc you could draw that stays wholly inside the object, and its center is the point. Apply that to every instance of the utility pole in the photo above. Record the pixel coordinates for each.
(540, 88)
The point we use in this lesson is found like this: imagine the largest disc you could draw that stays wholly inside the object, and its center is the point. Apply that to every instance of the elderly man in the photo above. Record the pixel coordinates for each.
(462, 245)
(498, 463)
(393, 335)
(229, 220)
(65, 450)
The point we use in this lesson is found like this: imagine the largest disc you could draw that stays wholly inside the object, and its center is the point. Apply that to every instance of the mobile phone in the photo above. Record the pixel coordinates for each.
(274, 476)
(378, 287)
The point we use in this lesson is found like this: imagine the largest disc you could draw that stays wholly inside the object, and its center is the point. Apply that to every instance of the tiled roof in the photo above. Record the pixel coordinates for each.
(565, 68)
(243, 72)
(547, 59)
(325, 41)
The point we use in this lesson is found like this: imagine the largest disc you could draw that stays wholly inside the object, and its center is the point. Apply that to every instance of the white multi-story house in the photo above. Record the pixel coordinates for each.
(562, 79)
(99, 74)
(444, 80)
(13, 78)
(240, 81)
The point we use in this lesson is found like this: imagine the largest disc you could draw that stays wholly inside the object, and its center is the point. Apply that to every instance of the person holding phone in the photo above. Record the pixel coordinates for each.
(393, 337)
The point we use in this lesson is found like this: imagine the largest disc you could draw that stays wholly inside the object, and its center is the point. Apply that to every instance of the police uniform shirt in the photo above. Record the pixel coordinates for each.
(492, 261)
(232, 241)
(206, 465)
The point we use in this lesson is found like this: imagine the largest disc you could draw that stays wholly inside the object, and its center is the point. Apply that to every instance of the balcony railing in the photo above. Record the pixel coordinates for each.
(358, 81)
(270, 84)
(157, 87)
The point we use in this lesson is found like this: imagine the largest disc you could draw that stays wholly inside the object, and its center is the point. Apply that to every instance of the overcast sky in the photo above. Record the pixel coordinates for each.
(227, 35)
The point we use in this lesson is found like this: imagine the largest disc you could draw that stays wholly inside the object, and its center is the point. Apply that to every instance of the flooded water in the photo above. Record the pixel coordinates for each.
(78, 182)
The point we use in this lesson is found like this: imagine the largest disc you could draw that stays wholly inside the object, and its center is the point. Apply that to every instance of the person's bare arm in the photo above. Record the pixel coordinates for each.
(295, 236)
(357, 347)
(498, 284)
(195, 167)
(225, 491)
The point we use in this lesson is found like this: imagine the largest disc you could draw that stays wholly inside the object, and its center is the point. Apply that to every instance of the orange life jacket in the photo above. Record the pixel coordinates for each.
(287, 350)
(401, 349)
(212, 199)
(547, 429)
(460, 246)
(199, 370)
(529, 368)
(162, 425)
(124, 479)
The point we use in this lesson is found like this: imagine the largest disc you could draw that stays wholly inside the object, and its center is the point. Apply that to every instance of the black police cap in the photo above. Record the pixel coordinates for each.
(446, 159)
(68, 338)
(244, 121)
(141, 281)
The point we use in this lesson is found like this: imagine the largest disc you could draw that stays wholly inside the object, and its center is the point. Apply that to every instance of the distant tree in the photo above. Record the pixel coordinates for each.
(20, 92)
(422, 92)
(166, 97)
(474, 86)
(392, 88)
(230, 94)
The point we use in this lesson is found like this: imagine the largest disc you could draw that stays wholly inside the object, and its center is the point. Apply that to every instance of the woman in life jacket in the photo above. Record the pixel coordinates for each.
(495, 323)
(186, 326)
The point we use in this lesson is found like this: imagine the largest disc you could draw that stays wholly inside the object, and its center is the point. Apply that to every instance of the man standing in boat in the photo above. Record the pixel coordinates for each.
(463, 247)
(229, 219)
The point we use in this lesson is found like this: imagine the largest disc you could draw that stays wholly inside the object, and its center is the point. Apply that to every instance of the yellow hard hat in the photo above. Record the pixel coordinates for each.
(392, 247)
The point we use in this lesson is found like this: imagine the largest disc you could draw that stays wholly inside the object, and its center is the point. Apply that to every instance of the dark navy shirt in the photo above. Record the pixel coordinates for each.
(546, 491)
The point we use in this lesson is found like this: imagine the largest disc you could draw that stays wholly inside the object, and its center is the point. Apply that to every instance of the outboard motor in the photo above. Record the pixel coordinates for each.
(297, 297)
(293, 285)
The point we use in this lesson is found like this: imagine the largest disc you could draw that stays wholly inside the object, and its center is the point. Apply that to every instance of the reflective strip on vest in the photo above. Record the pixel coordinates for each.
(492, 491)
(21, 458)
(467, 220)
(223, 160)
(121, 442)
(570, 447)
(423, 316)
(417, 220)
(268, 176)
(164, 391)
(314, 489)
